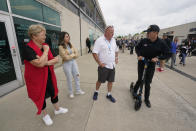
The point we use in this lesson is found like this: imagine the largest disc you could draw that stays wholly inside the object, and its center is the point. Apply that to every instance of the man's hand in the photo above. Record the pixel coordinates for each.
(116, 60)
(154, 59)
(140, 57)
(97, 60)
(102, 65)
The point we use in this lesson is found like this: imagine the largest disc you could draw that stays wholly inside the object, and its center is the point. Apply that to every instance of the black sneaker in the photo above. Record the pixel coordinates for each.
(147, 102)
(95, 96)
(111, 98)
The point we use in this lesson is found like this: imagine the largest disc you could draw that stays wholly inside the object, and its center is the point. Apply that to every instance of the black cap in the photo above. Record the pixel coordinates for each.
(153, 28)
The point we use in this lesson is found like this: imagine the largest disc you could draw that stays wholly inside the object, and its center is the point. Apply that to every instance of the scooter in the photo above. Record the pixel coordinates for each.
(138, 97)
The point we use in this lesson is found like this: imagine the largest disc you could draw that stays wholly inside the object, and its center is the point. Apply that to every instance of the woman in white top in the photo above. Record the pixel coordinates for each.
(69, 54)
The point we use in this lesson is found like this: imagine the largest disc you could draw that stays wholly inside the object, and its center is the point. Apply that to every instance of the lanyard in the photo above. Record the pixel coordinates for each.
(109, 46)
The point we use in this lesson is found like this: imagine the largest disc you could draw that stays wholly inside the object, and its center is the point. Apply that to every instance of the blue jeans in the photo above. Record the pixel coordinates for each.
(183, 58)
(173, 59)
(71, 70)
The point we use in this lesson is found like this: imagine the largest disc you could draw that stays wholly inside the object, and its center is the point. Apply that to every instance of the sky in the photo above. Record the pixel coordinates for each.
(134, 16)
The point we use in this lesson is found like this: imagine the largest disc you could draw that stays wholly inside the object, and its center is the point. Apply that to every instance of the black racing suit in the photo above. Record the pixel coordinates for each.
(149, 50)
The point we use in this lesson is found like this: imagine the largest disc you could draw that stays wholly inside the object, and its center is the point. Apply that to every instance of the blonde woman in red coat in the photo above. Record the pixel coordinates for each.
(39, 73)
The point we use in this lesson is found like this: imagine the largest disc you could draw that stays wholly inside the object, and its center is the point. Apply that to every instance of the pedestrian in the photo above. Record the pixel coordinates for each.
(69, 54)
(149, 49)
(123, 45)
(189, 48)
(183, 53)
(162, 60)
(39, 72)
(131, 46)
(105, 53)
(88, 44)
(120, 43)
(174, 45)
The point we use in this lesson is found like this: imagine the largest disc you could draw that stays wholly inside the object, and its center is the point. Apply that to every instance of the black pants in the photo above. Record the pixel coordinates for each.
(53, 101)
(89, 49)
(50, 92)
(149, 75)
(131, 50)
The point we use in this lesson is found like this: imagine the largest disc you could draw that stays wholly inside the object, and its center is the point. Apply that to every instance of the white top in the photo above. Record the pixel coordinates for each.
(106, 51)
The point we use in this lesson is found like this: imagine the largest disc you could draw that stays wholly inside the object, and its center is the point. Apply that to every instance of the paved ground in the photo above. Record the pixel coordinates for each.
(172, 96)
(189, 68)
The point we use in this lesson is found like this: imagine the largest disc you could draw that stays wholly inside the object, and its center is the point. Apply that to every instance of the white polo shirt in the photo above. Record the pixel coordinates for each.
(106, 51)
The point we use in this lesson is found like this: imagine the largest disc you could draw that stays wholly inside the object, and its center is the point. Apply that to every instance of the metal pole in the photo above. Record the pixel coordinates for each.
(80, 32)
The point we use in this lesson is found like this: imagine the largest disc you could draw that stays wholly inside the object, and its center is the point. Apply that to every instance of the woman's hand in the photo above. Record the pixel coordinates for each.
(53, 61)
(46, 48)
(73, 55)
(38, 57)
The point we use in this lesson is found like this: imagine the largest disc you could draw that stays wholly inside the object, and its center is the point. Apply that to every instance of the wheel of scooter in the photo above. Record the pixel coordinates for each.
(131, 86)
(138, 103)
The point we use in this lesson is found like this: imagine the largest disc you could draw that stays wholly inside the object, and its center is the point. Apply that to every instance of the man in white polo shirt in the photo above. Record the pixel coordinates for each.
(105, 53)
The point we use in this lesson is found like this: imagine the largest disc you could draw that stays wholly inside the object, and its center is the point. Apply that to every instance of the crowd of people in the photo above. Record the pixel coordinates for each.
(182, 50)
(39, 63)
(123, 43)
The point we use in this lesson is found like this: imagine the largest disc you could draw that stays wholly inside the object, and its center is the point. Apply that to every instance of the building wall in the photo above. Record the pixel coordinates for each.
(84, 34)
(70, 23)
(87, 29)
(180, 31)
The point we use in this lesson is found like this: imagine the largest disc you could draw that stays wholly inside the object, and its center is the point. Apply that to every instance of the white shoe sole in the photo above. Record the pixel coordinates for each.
(61, 112)
(78, 93)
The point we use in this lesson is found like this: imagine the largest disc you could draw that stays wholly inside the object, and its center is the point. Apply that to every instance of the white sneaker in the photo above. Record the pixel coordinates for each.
(61, 111)
(47, 120)
(71, 95)
(80, 92)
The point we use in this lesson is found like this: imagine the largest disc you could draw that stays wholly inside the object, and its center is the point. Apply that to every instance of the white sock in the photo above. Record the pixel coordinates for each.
(109, 93)
(97, 91)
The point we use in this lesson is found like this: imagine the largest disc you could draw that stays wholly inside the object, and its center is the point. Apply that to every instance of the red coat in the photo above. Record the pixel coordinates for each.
(36, 78)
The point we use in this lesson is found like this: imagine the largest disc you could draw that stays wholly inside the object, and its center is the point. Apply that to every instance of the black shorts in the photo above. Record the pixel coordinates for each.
(105, 74)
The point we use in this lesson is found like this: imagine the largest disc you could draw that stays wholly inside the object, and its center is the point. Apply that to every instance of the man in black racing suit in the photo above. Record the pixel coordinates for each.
(149, 48)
